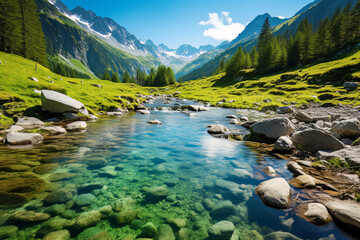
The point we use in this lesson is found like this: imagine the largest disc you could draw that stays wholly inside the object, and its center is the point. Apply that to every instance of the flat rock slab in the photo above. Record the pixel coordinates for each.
(76, 126)
(56, 102)
(29, 122)
(351, 155)
(15, 138)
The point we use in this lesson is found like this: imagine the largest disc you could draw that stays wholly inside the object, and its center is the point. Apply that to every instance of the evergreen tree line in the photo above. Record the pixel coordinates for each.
(158, 78)
(274, 53)
(66, 71)
(21, 31)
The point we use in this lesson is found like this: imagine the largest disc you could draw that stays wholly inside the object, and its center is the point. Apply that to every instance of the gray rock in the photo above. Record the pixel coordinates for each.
(217, 129)
(222, 230)
(54, 130)
(303, 117)
(223, 209)
(283, 143)
(284, 110)
(234, 121)
(58, 235)
(281, 236)
(85, 199)
(275, 192)
(29, 122)
(351, 155)
(313, 140)
(270, 171)
(59, 196)
(326, 118)
(15, 138)
(15, 128)
(351, 86)
(56, 209)
(76, 126)
(92, 118)
(273, 128)
(88, 187)
(56, 102)
(347, 129)
(70, 116)
(232, 116)
(317, 214)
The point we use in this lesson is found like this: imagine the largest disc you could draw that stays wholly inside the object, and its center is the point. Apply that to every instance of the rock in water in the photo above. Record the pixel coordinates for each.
(217, 129)
(275, 192)
(154, 121)
(58, 235)
(273, 128)
(54, 130)
(222, 230)
(29, 216)
(313, 140)
(15, 138)
(59, 103)
(155, 194)
(29, 122)
(148, 230)
(223, 209)
(76, 126)
(87, 219)
(164, 233)
(315, 213)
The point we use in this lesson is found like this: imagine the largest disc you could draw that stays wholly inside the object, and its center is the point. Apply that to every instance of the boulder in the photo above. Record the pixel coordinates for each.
(15, 128)
(154, 121)
(234, 121)
(148, 230)
(303, 181)
(56, 102)
(222, 230)
(351, 86)
(29, 122)
(232, 116)
(165, 232)
(217, 129)
(315, 213)
(351, 155)
(279, 235)
(325, 118)
(29, 216)
(87, 219)
(58, 235)
(15, 138)
(88, 187)
(54, 130)
(313, 140)
(283, 143)
(59, 196)
(303, 117)
(222, 209)
(85, 199)
(76, 126)
(273, 128)
(157, 193)
(347, 129)
(275, 192)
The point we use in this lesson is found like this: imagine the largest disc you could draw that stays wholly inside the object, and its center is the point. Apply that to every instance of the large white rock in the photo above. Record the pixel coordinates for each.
(347, 129)
(29, 122)
(313, 140)
(76, 126)
(15, 128)
(56, 102)
(275, 192)
(273, 128)
(54, 130)
(15, 138)
(317, 213)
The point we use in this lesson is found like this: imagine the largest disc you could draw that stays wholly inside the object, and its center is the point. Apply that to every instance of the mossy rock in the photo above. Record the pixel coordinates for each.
(5, 122)
(326, 96)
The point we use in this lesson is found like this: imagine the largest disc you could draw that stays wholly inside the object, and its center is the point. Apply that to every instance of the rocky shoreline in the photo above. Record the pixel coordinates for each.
(329, 192)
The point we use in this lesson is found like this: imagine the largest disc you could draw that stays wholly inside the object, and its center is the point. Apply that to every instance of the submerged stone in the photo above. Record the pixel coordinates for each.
(85, 199)
(222, 230)
(148, 230)
(93, 233)
(58, 235)
(156, 193)
(222, 209)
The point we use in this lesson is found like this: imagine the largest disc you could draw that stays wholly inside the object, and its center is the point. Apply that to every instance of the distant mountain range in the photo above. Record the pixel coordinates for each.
(117, 36)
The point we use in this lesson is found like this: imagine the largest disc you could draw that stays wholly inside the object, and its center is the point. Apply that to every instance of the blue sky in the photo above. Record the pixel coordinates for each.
(195, 22)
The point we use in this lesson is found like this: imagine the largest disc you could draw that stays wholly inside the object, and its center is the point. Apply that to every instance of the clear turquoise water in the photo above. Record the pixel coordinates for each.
(181, 151)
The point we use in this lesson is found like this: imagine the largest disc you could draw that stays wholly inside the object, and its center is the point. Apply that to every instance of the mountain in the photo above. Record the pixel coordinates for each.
(196, 68)
(315, 12)
(69, 43)
(253, 28)
(118, 37)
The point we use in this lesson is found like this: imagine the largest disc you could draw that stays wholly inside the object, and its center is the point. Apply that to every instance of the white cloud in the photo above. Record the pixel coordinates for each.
(223, 27)
(281, 17)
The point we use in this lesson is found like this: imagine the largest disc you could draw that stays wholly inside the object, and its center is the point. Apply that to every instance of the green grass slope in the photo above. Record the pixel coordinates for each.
(321, 82)
(17, 89)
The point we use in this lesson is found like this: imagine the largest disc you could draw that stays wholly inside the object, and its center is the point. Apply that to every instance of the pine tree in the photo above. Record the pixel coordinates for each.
(126, 78)
(151, 78)
(356, 20)
(115, 78)
(10, 27)
(161, 79)
(170, 75)
(132, 79)
(34, 45)
(254, 56)
(265, 48)
(106, 75)
(139, 76)
(236, 63)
